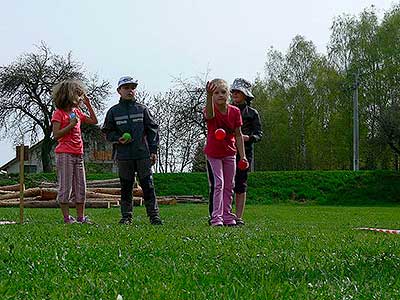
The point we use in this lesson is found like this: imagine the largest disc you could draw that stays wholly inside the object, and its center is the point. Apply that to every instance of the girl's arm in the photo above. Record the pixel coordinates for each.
(92, 119)
(211, 87)
(59, 133)
(240, 143)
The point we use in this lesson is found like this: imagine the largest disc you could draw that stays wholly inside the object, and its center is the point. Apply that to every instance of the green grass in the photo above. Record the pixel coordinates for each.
(284, 252)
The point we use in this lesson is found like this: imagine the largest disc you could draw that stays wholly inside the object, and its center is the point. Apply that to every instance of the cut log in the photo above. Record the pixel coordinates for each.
(36, 202)
(103, 199)
(14, 187)
(99, 195)
(110, 191)
(104, 185)
(96, 184)
(54, 204)
(13, 195)
(137, 192)
(45, 184)
(5, 192)
(166, 200)
(92, 183)
(37, 198)
(48, 193)
(27, 193)
(114, 180)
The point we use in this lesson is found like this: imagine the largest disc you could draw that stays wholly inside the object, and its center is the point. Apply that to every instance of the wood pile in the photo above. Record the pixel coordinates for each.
(99, 194)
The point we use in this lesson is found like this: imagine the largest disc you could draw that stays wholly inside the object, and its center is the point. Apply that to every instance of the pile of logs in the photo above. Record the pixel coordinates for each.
(99, 194)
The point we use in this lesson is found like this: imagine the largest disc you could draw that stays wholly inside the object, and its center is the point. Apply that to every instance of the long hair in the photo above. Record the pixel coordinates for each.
(65, 93)
(220, 83)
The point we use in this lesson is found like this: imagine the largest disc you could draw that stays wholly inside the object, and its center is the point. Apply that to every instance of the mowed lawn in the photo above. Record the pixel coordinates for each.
(283, 252)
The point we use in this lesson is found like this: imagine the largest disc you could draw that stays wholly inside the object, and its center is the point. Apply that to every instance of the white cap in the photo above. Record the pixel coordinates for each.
(127, 80)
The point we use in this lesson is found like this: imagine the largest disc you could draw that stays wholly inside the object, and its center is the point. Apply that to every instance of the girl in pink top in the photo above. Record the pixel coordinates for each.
(221, 150)
(67, 120)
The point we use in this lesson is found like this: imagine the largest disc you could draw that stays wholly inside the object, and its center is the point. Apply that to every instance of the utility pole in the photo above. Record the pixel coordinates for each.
(356, 162)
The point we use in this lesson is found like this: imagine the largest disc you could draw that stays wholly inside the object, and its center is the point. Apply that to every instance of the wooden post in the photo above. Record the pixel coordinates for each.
(21, 183)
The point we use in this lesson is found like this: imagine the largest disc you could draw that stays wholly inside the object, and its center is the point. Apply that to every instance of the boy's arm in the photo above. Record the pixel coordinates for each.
(257, 130)
(151, 131)
(110, 128)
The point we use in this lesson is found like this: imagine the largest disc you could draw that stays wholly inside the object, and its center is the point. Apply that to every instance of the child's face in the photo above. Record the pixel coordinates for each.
(221, 95)
(238, 97)
(127, 91)
(78, 97)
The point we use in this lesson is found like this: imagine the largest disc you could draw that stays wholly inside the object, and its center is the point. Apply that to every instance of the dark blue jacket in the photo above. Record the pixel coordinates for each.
(134, 118)
(251, 127)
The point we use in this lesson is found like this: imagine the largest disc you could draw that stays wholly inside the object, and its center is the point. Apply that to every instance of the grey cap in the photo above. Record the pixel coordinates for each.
(240, 84)
(127, 80)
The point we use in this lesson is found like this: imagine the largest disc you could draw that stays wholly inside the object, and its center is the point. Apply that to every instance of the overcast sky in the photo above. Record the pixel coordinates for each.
(156, 40)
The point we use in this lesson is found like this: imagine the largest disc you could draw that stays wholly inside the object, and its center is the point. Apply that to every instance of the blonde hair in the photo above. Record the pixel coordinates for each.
(65, 92)
(221, 83)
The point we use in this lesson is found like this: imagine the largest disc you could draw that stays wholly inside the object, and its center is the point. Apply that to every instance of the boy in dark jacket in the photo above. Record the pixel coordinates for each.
(130, 126)
(252, 133)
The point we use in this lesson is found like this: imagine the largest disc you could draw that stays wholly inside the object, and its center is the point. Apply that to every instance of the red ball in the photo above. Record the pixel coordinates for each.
(243, 164)
(220, 134)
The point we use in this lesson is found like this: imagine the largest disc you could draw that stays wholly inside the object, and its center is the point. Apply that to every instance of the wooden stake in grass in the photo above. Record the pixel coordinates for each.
(22, 155)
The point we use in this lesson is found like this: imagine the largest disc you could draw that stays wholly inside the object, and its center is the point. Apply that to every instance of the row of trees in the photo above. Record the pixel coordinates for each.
(304, 99)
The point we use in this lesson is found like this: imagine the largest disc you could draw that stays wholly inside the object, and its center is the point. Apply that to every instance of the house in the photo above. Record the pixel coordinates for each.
(97, 155)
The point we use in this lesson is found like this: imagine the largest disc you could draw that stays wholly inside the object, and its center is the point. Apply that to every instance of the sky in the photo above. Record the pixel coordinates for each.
(159, 40)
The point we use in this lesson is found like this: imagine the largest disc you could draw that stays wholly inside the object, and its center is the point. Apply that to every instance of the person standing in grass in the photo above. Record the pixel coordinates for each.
(67, 120)
(132, 129)
(252, 133)
(221, 150)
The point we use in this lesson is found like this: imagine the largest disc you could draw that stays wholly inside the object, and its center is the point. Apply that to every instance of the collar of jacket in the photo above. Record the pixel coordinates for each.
(241, 106)
(127, 101)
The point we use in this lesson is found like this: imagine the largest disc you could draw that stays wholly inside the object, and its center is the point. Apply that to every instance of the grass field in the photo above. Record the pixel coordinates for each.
(284, 252)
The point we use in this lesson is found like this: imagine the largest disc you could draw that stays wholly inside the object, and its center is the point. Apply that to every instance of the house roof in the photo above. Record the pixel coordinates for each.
(14, 160)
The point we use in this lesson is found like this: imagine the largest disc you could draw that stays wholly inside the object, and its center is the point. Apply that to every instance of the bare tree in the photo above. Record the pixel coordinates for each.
(26, 105)
(179, 113)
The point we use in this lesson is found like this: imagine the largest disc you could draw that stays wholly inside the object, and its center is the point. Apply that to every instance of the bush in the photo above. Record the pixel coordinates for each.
(315, 187)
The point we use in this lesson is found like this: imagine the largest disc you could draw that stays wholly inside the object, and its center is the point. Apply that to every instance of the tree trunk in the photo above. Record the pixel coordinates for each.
(46, 148)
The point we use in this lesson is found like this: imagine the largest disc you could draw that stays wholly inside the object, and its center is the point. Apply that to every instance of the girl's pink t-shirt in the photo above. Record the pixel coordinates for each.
(72, 141)
(229, 122)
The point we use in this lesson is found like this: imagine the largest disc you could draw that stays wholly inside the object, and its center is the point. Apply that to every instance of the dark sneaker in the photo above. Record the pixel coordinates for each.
(85, 220)
(125, 221)
(240, 222)
(69, 220)
(156, 221)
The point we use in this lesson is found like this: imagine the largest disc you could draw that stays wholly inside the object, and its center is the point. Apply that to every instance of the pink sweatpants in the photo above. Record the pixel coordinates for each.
(221, 180)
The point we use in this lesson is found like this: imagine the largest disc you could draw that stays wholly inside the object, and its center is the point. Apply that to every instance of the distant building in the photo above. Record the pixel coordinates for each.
(97, 155)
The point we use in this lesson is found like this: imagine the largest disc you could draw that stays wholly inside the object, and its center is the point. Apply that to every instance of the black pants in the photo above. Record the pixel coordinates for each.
(127, 171)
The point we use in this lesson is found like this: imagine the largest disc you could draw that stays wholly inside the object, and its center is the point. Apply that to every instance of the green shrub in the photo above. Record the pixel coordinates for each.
(315, 187)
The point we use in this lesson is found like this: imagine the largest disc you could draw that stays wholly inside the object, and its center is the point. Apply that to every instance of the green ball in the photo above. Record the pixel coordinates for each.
(126, 136)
